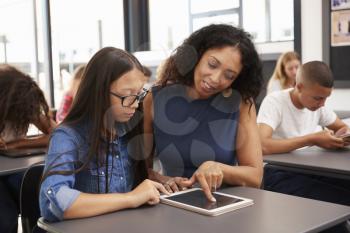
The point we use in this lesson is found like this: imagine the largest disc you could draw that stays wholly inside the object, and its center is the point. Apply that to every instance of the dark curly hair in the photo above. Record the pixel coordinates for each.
(181, 64)
(22, 101)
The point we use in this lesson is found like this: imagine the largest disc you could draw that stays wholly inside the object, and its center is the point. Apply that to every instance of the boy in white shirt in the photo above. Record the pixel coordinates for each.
(292, 119)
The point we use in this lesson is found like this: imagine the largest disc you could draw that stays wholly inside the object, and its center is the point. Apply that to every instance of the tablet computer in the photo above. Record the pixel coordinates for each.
(195, 200)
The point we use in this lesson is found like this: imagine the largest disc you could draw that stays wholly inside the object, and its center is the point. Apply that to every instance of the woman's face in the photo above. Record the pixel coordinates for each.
(291, 67)
(131, 83)
(216, 71)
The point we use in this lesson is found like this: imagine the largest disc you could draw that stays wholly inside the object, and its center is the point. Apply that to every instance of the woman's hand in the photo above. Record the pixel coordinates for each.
(209, 176)
(147, 192)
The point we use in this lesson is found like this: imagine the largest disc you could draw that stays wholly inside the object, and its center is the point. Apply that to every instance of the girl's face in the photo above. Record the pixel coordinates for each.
(123, 92)
(216, 71)
(290, 68)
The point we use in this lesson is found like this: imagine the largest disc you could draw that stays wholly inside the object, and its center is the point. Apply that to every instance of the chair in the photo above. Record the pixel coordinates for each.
(29, 198)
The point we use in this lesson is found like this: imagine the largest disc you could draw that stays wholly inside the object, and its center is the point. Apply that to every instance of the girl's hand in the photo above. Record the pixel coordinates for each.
(175, 184)
(147, 192)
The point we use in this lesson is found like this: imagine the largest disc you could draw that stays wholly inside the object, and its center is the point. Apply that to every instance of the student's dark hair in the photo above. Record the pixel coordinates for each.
(318, 72)
(92, 102)
(181, 64)
(22, 101)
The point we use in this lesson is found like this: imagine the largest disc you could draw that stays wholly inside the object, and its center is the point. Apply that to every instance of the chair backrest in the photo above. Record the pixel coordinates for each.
(29, 198)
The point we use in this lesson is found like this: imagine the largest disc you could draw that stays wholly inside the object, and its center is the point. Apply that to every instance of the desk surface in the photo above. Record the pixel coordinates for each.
(13, 165)
(342, 114)
(271, 212)
(315, 159)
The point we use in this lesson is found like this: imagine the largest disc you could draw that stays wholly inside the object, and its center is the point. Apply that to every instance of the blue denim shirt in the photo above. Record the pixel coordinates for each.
(67, 146)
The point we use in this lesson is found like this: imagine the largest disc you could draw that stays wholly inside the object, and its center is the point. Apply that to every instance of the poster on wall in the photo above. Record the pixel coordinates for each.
(340, 4)
(340, 28)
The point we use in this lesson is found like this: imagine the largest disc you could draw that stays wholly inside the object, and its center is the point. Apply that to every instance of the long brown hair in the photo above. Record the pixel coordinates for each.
(92, 102)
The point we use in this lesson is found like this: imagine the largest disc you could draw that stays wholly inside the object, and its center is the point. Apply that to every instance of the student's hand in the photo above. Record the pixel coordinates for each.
(326, 139)
(147, 192)
(2, 144)
(8, 145)
(15, 144)
(342, 131)
(175, 184)
(209, 176)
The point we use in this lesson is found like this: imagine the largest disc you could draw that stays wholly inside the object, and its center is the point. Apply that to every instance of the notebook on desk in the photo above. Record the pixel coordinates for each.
(15, 153)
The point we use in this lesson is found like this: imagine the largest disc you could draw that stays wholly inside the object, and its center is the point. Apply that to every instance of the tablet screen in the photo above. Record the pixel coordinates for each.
(198, 199)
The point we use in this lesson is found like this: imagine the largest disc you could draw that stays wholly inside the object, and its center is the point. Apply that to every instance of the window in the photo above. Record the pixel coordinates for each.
(282, 20)
(205, 12)
(79, 29)
(200, 6)
(169, 23)
(200, 22)
(16, 37)
(269, 20)
(254, 19)
(265, 20)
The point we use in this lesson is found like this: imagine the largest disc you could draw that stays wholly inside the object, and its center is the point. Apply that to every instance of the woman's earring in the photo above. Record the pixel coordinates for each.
(227, 92)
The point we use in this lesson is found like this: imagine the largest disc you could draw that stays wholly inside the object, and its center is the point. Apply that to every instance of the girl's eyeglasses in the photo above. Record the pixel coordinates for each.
(129, 100)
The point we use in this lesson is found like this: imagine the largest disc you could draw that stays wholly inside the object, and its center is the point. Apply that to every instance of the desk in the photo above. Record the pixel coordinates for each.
(313, 160)
(271, 212)
(343, 114)
(346, 121)
(13, 165)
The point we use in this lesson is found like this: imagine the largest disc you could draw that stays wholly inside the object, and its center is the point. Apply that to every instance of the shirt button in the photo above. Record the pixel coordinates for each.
(117, 156)
(102, 173)
(121, 177)
(49, 191)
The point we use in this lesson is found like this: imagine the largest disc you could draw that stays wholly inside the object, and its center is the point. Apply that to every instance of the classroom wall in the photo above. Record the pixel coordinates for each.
(311, 30)
(339, 100)
(311, 37)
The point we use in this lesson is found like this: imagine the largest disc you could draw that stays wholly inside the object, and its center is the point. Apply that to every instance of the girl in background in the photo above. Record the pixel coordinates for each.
(285, 72)
(70, 94)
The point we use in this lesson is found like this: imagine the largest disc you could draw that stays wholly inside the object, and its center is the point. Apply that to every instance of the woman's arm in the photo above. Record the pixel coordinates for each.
(148, 133)
(210, 175)
(249, 152)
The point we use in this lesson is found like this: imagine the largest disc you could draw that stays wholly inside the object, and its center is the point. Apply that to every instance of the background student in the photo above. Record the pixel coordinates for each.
(202, 116)
(283, 76)
(69, 95)
(291, 119)
(22, 103)
(89, 169)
